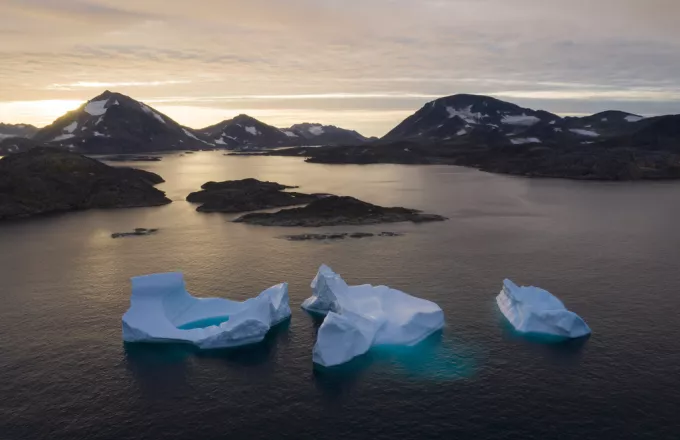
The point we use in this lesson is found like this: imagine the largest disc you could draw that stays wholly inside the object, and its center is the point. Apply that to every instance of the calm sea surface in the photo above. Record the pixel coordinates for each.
(610, 251)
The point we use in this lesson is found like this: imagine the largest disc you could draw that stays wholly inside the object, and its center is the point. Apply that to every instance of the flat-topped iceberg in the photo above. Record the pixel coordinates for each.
(359, 317)
(161, 310)
(535, 311)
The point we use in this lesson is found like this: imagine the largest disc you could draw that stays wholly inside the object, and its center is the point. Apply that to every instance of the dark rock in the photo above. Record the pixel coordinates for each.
(390, 234)
(360, 234)
(234, 196)
(46, 180)
(336, 210)
(137, 231)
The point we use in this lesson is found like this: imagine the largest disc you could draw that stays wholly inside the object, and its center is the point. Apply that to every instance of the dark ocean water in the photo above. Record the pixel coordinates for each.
(610, 251)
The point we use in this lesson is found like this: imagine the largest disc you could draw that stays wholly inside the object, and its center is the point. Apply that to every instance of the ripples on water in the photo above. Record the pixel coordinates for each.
(608, 250)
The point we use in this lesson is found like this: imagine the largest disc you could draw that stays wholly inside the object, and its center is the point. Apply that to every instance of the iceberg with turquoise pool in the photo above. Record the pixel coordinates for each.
(535, 311)
(360, 317)
(161, 310)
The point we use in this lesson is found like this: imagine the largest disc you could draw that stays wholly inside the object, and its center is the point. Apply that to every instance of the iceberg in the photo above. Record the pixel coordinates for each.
(360, 317)
(535, 311)
(161, 310)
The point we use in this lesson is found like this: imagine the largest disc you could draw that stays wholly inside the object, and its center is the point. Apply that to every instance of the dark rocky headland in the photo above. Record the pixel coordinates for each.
(47, 180)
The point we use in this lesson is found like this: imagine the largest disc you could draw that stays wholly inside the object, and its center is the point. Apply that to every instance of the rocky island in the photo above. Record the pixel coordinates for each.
(245, 195)
(337, 210)
(46, 180)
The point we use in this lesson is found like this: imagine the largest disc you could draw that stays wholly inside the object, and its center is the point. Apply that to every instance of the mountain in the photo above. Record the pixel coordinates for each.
(460, 115)
(17, 130)
(248, 132)
(496, 136)
(12, 145)
(115, 123)
(46, 180)
(318, 134)
(472, 117)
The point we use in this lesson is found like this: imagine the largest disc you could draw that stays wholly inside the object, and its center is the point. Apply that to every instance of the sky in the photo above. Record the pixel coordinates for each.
(358, 64)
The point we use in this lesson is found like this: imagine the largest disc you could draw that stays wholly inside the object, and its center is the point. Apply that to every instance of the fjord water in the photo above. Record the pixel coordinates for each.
(610, 251)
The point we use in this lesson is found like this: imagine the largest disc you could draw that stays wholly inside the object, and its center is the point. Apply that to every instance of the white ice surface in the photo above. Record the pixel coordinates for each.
(96, 108)
(359, 317)
(160, 304)
(581, 132)
(531, 310)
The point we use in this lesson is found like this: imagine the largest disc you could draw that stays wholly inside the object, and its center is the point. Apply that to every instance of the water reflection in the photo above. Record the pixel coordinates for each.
(435, 359)
(163, 369)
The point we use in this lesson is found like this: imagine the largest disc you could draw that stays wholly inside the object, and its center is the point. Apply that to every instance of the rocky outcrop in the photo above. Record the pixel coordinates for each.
(338, 236)
(336, 210)
(245, 195)
(45, 180)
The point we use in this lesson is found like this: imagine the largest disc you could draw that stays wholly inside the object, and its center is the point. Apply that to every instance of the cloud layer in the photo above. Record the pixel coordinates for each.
(359, 63)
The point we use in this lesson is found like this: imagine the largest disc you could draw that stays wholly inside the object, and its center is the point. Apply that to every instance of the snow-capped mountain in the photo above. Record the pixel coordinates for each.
(468, 117)
(244, 131)
(248, 132)
(17, 130)
(460, 115)
(115, 123)
(318, 134)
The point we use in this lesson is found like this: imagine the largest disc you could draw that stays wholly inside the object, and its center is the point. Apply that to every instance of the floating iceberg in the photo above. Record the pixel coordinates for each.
(531, 310)
(161, 310)
(359, 317)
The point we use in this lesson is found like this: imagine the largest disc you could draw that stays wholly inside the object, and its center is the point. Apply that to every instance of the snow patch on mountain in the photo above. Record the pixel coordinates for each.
(461, 132)
(71, 127)
(96, 108)
(582, 132)
(465, 114)
(290, 134)
(522, 119)
(252, 130)
(521, 141)
(63, 137)
(316, 130)
(149, 111)
(633, 118)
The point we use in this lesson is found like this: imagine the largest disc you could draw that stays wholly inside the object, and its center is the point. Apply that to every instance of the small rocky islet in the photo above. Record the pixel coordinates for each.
(47, 180)
(338, 210)
(235, 196)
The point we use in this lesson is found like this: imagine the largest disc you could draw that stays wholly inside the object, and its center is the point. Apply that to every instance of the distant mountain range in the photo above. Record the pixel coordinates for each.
(471, 130)
(112, 123)
(497, 136)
